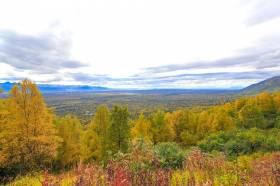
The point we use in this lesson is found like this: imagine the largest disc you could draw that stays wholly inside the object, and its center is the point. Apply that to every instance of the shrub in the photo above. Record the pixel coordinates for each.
(266, 170)
(169, 155)
(242, 142)
(141, 155)
(26, 180)
(180, 178)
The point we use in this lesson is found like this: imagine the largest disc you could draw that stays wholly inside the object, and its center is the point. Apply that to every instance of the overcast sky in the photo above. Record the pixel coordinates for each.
(140, 43)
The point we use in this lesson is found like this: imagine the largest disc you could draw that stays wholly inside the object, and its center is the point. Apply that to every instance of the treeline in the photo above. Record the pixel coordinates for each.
(33, 138)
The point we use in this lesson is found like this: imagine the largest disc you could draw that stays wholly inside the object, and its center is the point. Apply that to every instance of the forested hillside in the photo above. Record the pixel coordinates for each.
(237, 143)
(269, 85)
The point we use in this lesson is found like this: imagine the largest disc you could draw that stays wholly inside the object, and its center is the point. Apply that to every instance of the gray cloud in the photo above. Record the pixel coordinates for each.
(48, 54)
(264, 10)
(87, 78)
(260, 60)
(164, 81)
(269, 60)
(39, 54)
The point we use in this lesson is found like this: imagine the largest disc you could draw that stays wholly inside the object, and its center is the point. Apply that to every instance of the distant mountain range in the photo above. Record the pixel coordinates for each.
(7, 86)
(47, 88)
(268, 85)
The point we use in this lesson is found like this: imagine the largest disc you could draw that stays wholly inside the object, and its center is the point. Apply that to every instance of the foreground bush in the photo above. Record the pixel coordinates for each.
(199, 169)
(170, 155)
(241, 142)
(27, 180)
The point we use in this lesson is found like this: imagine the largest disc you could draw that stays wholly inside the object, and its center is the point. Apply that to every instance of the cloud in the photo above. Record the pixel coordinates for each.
(87, 78)
(264, 11)
(45, 53)
(12, 79)
(172, 81)
(269, 60)
(259, 60)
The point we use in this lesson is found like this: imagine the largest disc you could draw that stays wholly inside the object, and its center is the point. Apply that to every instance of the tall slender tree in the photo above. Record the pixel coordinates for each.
(70, 130)
(101, 125)
(120, 129)
(141, 129)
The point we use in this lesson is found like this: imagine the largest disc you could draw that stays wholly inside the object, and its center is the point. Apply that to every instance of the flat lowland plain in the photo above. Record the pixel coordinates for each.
(83, 104)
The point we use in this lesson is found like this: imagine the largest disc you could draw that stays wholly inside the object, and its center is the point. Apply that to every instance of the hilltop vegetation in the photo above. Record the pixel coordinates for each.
(268, 85)
(235, 143)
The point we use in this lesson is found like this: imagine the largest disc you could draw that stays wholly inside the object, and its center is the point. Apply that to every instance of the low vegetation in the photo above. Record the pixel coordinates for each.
(236, 143)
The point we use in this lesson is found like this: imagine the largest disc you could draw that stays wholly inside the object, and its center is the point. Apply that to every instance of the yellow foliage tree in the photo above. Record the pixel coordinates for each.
(204, 126)
(28, 140)
(266, 103)
(186, 125)
(162, 130)
(141, 129)
(222, 120)
(96, 138)
(70, 130)
(91, 146)
(277, 101)
(101, 125)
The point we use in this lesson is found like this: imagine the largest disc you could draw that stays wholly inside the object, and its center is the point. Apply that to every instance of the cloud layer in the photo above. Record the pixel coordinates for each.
(45, 54)
(263, 11)
(259, 60)
(141, 44)
(48, 54)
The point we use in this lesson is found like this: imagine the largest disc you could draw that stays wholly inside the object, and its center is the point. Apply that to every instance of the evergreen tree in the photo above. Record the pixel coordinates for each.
(120, 129)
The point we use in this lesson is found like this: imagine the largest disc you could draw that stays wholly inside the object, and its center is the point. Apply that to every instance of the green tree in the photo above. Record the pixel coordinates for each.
(119, 129)
(277, 122)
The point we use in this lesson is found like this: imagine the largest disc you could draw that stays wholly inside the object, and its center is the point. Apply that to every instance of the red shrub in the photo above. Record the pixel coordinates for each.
(266, 170)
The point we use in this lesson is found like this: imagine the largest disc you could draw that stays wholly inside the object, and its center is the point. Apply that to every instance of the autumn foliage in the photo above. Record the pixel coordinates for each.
(28, 136)
(237, 143)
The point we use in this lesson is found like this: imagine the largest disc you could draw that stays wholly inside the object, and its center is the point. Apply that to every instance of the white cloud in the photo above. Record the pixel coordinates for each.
(121, 38)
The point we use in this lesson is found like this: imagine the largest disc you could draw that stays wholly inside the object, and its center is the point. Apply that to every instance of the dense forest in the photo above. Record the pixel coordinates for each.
(236, 143)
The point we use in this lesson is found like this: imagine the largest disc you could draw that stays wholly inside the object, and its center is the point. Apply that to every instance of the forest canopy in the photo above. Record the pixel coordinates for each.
(33, 138)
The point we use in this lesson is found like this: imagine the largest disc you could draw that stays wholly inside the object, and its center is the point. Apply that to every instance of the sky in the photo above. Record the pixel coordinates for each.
(140, 44)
